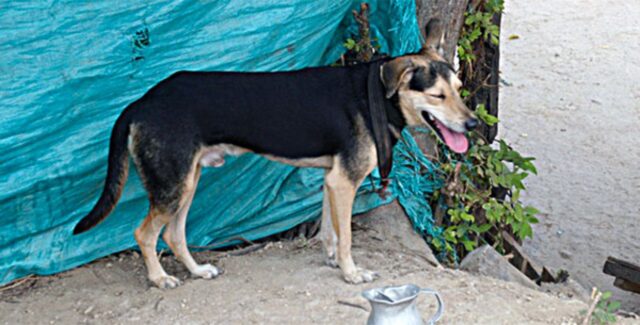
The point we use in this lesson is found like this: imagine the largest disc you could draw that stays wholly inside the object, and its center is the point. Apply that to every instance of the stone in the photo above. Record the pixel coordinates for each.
(569, 288)
(390, 223)
(487, 261)
(565, 254)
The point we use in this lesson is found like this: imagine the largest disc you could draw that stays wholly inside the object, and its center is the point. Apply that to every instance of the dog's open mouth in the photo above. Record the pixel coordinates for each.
(456, 141)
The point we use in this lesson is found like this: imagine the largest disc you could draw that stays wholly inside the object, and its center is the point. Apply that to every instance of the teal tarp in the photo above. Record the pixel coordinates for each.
(67, 69)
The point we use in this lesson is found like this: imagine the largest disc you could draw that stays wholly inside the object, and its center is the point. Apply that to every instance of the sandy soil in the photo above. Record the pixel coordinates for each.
(573, 102)
(284, 283)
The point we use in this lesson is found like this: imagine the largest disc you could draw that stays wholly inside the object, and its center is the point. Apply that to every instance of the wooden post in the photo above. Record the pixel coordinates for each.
(627, 274)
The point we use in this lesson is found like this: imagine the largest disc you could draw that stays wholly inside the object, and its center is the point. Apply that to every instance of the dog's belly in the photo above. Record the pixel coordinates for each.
(321, 162)
(213, 156)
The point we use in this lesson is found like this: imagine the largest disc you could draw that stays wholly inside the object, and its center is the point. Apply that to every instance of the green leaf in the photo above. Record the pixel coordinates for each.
(599, 315)
(518, 215)
(467, 217)
(475, 34)
(450, 235)
(531, 210)
(469, 245)
(613, 306)
(526, 231)
(484, 228)
(529, 166)
(484, 116)
(469, 20)
(516, 180)
(515, 196)
(606, 295)
(350, 44)
(461, 51)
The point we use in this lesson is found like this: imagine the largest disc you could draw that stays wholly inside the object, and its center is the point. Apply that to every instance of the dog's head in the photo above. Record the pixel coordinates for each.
(428, 91)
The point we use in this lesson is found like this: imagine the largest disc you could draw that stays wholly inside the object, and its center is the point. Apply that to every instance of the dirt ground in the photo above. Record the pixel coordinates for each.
(283, 283)
(572, 100)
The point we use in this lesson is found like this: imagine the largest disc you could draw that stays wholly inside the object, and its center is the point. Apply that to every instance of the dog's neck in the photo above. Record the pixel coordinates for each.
(386, 120)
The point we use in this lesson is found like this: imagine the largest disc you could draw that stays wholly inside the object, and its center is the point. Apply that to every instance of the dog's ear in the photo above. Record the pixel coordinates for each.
(434, 37)
(396, 72)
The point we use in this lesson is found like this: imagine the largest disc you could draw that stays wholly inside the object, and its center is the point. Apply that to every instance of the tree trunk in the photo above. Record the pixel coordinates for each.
(451, 13)
(482, 80)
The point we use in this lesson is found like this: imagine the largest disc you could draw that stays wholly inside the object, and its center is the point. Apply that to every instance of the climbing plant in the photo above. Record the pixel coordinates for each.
(481, 196)
(479, 25)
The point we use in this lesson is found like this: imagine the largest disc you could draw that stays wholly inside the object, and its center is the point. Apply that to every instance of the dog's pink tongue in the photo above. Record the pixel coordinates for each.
(456, 141)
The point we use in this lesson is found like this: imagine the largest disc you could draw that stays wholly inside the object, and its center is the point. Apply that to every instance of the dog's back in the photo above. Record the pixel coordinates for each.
(296, 114)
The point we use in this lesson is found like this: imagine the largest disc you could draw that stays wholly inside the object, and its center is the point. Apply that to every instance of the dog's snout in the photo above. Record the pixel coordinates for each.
(471, 124)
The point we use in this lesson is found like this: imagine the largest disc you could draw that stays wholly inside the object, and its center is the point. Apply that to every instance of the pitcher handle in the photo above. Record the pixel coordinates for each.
(440, 310)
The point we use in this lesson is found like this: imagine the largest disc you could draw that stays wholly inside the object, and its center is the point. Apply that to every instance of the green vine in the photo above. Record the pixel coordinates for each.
(478, 24)
(481, 196)
(475, 212)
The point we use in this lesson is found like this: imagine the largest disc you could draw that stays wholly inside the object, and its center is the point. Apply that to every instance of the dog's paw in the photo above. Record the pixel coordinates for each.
(167, 282)
(206, 271)
(331, 261)
(360, 276)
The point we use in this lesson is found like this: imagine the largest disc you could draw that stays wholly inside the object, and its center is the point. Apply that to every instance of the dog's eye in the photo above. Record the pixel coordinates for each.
(440, 96)
(420, 81)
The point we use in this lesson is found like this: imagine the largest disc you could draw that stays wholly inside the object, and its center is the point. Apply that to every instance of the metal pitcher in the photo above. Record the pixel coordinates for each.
(397, 305)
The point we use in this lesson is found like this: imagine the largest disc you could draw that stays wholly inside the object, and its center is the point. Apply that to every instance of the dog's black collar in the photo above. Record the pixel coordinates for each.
(382, 113)
(394, 115)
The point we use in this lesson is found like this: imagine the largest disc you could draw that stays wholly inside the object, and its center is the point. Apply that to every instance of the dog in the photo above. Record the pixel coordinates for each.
(342, 119)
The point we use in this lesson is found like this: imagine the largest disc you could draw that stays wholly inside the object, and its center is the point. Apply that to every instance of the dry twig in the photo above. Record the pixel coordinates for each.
(593, 305)
(362, 18)
(353, 304)
(16, 283)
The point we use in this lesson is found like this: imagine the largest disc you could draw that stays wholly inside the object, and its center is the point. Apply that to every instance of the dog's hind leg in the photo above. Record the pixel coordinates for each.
(147, 237)
(328, 228)
(167, 170)
(175, 236)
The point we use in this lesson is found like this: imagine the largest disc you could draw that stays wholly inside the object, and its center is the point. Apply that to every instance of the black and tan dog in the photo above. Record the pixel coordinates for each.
(342, 119)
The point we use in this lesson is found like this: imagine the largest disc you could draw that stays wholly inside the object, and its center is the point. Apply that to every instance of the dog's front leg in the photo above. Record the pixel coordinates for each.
(342, 192)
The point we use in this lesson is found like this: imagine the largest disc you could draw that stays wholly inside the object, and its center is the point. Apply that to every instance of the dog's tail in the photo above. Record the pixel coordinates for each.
(117, 172)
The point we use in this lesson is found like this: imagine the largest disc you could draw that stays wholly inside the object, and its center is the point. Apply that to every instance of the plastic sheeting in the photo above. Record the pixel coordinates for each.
(67, 69)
